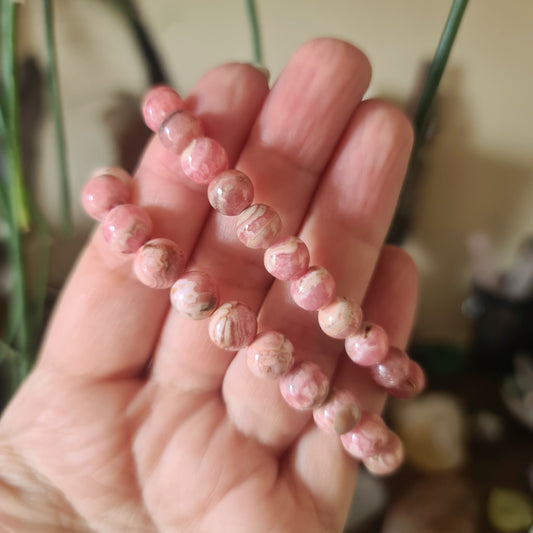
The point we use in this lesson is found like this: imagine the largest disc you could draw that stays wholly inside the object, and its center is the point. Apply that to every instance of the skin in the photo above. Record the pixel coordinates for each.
(132, 420)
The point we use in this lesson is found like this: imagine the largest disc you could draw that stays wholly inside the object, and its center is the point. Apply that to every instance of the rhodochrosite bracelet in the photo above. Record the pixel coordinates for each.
(160, 264)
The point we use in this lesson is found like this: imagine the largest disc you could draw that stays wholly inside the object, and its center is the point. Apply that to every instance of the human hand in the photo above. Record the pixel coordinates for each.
(132, 420)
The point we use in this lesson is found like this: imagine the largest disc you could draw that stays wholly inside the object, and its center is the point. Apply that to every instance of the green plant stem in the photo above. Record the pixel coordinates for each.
(149, 53)
(18, 192)
(16, 371)
(15, 197)
(16, 330)
(401, 223)
(254, 31)
(3, 119)
(437, 67)
(38, 274)
(53, 88)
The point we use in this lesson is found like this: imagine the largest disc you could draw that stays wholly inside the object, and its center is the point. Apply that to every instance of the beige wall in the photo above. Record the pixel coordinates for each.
(478, 170)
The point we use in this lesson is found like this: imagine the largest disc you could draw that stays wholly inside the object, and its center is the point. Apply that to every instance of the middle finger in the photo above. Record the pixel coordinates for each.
(288, 149)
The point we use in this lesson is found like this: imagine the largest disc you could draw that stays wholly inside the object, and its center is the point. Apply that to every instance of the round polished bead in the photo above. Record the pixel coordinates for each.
(105, 189)
(195, 295)
(232, 326)
(388, 460)
(231, 192)
(287, 259)
(203, 159)
(314, 290)
(368, 438)
(369, 346)
(339, 414)
(412, 385)
(158, 263)
(340, 318)
(179, 130)
(305, 386)
(126, 228)
(258, 226)
(392, 370)
(159, 103)
(270, 355)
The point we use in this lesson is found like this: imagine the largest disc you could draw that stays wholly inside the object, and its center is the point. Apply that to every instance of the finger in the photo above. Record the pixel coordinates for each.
(344, 231)
(390, 301)
(396, 276)
(107, 322)
(293, 138)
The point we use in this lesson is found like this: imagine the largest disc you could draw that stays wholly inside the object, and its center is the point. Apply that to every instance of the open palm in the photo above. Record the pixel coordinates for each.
(132, 420)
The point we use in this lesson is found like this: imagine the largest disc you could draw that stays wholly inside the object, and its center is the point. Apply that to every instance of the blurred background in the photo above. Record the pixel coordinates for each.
(466, 215)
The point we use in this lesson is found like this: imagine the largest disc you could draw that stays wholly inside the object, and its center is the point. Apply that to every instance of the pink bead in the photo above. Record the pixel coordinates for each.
(368, 346)
(270, 355)
(392, 370)
(339, 414)
(287, 259)
(305, 386)
(204, 159)
(388, 460)
(231, 192)
(258, 226)
(126, 228)
(103, 191)
(195, 295)
(159, 103)
(179, 130)
(158, 263)
(368, 438)
(412, 385)
(340, 318)
(232, 326)
(314, 290)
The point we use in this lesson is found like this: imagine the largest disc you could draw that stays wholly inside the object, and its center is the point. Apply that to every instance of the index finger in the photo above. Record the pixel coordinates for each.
(106, 323)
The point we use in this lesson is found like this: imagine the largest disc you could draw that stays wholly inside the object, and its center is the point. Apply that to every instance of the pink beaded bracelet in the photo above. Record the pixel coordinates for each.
(160, 264)
(230, 192)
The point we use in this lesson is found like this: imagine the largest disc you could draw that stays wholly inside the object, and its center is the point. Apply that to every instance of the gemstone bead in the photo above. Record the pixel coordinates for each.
(392, 370)
(340, 318)
(104, 190)
(368, 438)
(412, 385)
(195, 295)
(369, 346)
(204, 159)
(231, 192)
(178, 131)
(339, 414)
(159, 103)
(287, 259)
(388, 460)
(258, 226)
(158, 263)
(270, 355)
(314, 290)
(305, 386)
(126, 228)
(232, 326)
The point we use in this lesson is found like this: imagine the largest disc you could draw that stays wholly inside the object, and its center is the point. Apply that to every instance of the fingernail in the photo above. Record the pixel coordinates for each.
(261, 68)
